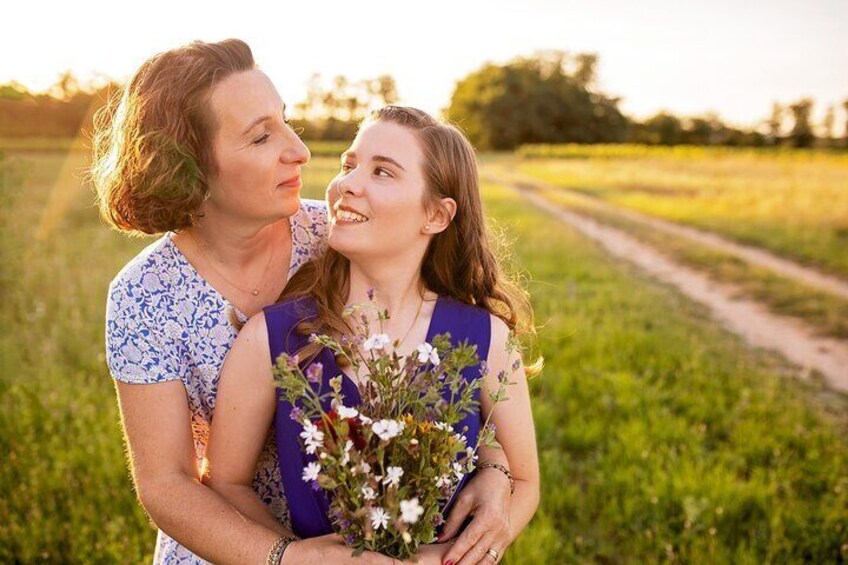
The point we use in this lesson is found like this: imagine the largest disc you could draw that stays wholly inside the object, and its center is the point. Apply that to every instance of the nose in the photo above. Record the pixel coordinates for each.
(294, 150)
(348, 184)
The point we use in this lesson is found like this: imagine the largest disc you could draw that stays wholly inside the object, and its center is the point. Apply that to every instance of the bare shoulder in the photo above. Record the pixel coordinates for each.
(500, 334)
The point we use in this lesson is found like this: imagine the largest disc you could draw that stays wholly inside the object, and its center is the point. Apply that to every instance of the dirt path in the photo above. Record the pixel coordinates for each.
(754, 255)
(746, 318)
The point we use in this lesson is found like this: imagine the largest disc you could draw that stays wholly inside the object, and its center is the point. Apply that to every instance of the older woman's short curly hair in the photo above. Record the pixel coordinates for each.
(153, 143)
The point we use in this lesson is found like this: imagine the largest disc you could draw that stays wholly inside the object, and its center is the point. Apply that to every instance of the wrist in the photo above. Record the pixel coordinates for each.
(497, 467)
(278, 551)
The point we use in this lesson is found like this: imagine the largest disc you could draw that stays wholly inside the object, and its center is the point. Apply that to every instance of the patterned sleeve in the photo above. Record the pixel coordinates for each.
(143, 344)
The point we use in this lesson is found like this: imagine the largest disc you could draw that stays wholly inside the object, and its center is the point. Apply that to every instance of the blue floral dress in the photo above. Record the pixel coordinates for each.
(164, 322)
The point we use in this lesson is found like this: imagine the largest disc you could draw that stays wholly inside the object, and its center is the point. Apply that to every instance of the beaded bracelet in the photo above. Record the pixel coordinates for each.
(275, 555)
(503, 470)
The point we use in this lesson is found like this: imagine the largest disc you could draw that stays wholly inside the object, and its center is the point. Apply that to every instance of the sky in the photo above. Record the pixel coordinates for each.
(725, 56)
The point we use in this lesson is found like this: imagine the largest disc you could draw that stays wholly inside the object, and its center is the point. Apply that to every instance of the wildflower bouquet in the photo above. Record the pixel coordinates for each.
(391, 464)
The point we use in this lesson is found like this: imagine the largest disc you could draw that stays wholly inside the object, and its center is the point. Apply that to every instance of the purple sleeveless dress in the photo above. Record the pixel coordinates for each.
(310, 509)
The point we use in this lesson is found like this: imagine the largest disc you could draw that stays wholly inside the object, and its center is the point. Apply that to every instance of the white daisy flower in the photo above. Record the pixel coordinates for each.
(443, 481)
(376, 342)
(368, 493)
(345, 412)
(387, 429)
(346, 454)
(379, 518)
(458, 471)
(310, 472)
(393, 475)
(427, 352)
(410, 510)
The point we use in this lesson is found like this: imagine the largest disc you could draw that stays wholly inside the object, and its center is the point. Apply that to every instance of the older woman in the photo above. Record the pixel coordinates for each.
(199, 149)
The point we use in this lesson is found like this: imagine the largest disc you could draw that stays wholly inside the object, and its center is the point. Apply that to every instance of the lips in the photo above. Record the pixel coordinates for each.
(348, 214)
(291, 182)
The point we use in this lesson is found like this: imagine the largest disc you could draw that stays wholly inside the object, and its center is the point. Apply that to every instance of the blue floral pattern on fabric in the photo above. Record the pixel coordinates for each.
(164, 322)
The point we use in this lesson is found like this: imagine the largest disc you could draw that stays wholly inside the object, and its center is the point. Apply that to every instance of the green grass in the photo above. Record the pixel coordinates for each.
(826, 313)
(659, 434)
(792, 202)
(654, 426)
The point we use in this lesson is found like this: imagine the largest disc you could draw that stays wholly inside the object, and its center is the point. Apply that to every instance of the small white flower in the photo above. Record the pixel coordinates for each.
(460, 438)
(376, 342)
(346, 454)
(310, 472)
(410, 510)
(443, 481)
(365, 419)
(312, 436)
(472, 456)
(368, 493)
(379, 518)
(442, 426)
(364, 468)
(387, 429)
(458, 471)
(406, 537)
(345, 412)
(427, 352)
(393, 475)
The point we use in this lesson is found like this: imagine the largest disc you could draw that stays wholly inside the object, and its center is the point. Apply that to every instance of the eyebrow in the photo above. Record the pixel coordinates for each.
(378, 158)
(259, 120)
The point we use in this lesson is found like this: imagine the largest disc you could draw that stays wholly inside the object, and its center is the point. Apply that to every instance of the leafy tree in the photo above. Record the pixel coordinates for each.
(802, 133)
(664, 129)
(535, 100)
(775, 123)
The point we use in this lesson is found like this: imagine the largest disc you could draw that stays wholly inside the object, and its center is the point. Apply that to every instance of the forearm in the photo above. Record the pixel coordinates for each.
(204, 522)
(248, 503)
(522, 506)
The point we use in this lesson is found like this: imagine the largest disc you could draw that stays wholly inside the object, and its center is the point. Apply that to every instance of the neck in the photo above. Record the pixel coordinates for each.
(398, 285)
(233, 243)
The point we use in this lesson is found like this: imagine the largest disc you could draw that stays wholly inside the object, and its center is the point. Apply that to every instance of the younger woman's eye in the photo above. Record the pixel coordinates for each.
(381, 172)
(261, 139)
(346, 167)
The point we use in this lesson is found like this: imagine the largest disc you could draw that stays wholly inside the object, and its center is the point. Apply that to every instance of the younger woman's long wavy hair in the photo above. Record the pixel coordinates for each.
(459, 262)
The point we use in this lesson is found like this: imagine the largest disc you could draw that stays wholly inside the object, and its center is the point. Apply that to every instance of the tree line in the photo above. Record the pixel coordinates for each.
(551, 97)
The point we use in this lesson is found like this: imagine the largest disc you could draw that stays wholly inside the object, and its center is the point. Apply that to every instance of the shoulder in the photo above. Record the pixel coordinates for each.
(299, 306)
(151, 270)
(500, 333)
(281, 320)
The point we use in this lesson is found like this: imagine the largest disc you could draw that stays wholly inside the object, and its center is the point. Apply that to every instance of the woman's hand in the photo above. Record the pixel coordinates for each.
(329, 549)
(429, 554)
(486, 497)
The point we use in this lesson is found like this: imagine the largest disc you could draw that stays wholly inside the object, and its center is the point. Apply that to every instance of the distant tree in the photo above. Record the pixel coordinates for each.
(802, 132)
(845, 105)
(585, 74)
(535, 100)
(334, 111)
(828, 122)
(775, 124)
(664, 129)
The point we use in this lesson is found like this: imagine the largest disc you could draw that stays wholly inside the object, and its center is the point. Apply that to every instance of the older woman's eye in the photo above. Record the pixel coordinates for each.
(346, 167)
(381, 172)
(261, 139)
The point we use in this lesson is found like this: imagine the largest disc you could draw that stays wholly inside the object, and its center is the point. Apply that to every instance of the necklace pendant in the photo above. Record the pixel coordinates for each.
(255, 292)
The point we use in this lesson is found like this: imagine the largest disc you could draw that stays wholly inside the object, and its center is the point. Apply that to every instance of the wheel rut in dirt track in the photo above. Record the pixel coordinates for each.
(747, 318)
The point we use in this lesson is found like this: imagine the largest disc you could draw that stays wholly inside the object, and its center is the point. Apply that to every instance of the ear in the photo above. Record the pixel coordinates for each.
(440, 217)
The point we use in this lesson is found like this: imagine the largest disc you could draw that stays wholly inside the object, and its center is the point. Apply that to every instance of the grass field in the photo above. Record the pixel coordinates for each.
(662, 439)
(793, 202)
